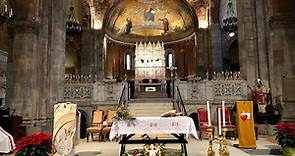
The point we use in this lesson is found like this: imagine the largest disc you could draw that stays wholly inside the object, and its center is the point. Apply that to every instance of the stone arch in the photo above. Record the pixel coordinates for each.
(231, 61)
(85, 120)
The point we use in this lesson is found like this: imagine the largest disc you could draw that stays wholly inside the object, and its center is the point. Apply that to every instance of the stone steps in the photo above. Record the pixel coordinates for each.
(149, 109)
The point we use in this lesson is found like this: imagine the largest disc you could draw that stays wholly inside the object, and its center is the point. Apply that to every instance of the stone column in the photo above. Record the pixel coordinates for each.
(282, 63)
(203, 60)
(22, 85)
(217, 58)
(36, 62)
(262, 41)
(56, 51)
(91, 53)
(247, 40)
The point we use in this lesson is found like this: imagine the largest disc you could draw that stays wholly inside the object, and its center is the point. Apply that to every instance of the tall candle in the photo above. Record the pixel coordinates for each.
(208, 114)
(223, 114)
(219, 121)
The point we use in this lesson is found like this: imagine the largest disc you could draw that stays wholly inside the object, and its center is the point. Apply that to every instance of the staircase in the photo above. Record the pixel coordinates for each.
(145, 107)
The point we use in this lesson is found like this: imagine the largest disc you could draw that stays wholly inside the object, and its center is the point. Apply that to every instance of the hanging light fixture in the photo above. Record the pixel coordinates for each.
(5, 11)
(230, 21)
(72, 24)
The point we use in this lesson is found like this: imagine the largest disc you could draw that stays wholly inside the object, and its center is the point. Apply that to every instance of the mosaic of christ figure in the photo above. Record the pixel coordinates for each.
(149, 15)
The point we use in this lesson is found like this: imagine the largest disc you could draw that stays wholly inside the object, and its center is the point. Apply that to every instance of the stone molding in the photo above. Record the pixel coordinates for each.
(282, 21)
(25, 26)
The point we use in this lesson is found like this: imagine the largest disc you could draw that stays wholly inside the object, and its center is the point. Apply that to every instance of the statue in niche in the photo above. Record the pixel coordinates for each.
(165, 24)
(126, 29)
(149, 15)
(261, 98)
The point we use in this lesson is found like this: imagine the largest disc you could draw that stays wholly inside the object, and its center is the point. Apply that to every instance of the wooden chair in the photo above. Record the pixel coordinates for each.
(203, 122)
(110, 119)
(228, 122)
(96, 124)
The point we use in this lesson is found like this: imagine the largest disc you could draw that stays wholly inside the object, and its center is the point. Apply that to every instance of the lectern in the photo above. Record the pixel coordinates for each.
(246, 130)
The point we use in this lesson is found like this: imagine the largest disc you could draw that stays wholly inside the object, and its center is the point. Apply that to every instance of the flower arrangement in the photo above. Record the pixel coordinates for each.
(285, 135)
(38, 144)
(123, 113)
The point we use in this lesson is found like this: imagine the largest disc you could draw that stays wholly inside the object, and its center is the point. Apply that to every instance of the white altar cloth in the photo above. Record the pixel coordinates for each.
(6, 142)
(154, 125)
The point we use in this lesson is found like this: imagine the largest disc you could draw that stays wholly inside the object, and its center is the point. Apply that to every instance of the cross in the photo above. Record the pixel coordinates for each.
(172, 68)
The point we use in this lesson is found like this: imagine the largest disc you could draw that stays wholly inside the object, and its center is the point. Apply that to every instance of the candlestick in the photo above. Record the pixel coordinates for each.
(223, 114)
(219, 121)
(208, 114)
(210, 151)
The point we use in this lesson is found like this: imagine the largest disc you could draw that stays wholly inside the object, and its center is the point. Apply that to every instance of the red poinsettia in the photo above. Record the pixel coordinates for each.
(38, 144)
(285, 134)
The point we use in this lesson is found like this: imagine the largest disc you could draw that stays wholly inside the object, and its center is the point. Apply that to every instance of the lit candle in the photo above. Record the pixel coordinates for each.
(219, 121)
(223, 114)
(208, 114)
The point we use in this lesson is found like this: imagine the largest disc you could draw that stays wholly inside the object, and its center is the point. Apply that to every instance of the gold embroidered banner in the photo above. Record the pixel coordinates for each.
(64, 128)
(246, 130)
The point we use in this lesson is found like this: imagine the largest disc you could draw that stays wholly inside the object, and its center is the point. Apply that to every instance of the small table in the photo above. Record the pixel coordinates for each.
(180, 127)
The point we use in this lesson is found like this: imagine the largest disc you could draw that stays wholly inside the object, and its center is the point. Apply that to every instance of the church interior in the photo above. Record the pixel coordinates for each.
(226, 65)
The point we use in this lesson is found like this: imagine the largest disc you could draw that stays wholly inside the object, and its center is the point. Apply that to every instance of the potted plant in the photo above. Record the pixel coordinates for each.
(285, 136)
(38, 144)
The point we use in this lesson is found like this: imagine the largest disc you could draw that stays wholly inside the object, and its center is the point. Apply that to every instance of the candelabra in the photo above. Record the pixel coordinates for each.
(5, 11)
(210, 151)
(230, 21)
(223, 151)
(72, 24)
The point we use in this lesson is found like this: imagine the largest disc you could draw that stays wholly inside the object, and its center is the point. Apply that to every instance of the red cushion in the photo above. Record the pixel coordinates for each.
(229, 126)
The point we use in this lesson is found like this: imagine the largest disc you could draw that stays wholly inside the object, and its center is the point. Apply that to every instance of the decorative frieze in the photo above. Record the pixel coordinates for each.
(93, 92)
(78, 91)
(229, 90)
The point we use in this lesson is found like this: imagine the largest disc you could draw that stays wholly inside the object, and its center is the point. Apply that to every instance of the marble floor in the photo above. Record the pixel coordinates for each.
(265, 146)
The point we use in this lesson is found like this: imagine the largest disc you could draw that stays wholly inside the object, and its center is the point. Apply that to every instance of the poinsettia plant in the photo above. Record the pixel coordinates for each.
(285, 134)
(38, 144)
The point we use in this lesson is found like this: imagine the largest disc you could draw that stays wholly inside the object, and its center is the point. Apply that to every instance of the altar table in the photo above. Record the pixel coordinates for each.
(180, 127)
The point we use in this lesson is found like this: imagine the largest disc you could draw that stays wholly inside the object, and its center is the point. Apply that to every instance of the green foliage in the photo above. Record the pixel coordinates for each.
(123, 114)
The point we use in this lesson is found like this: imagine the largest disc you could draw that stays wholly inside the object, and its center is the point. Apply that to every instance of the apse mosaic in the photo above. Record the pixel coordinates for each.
(137, 19)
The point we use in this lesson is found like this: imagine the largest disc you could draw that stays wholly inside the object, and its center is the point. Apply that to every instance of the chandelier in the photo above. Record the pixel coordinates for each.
(230, 21)
(72, 24)
(5, 11)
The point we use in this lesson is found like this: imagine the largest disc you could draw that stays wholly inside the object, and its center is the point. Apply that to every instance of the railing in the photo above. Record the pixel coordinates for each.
(180, 105)
(122, 99)
(213, 90)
